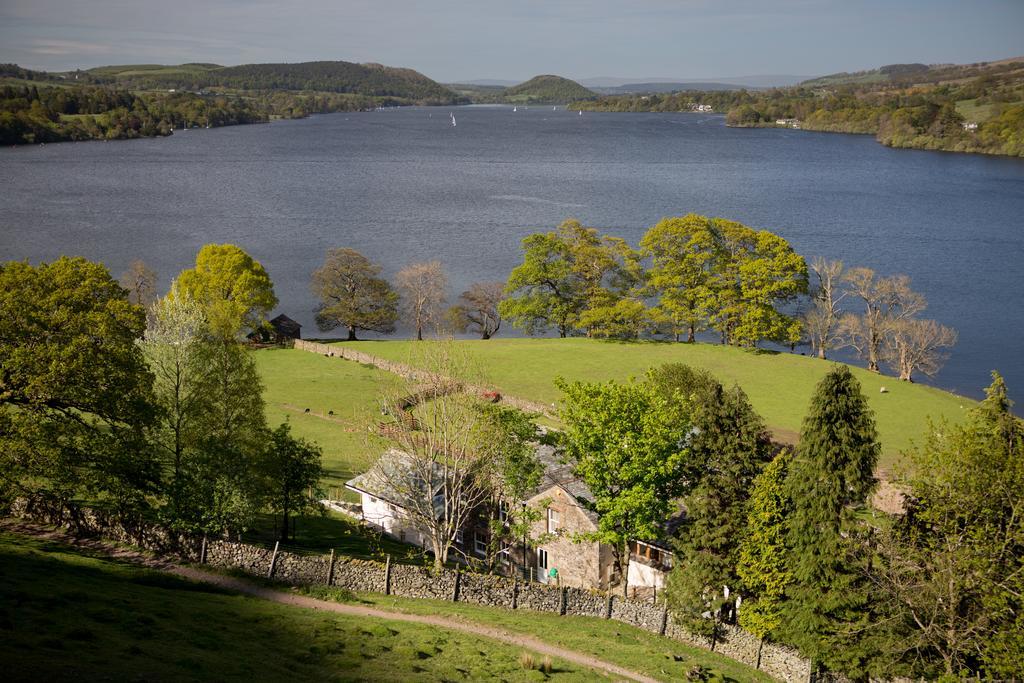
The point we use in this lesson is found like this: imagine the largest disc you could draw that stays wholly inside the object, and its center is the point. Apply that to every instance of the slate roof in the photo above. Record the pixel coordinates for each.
(557, 473)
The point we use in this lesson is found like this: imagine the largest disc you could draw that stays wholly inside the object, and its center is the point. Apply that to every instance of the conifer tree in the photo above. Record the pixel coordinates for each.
(830, 477)
(729, 444)
(764, 565)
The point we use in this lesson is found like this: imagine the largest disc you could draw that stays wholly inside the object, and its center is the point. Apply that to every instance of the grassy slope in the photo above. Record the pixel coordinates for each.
(296, 380)
(65, 615)
(615, 642)
(779, 385)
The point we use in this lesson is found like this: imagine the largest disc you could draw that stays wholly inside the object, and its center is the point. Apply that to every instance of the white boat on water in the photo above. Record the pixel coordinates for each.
(515, 109)
(453, 119)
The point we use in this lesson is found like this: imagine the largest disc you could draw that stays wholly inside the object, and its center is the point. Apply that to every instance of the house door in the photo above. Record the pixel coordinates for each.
(542, 565)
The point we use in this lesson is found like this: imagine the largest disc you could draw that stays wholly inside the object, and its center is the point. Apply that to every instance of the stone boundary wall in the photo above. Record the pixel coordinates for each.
(409, 372)
(411, 581)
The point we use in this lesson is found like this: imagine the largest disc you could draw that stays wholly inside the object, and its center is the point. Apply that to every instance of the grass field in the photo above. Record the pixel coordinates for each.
(622, 644)
(296, 380)
(67, 616)
(66, 613)
(779, 385)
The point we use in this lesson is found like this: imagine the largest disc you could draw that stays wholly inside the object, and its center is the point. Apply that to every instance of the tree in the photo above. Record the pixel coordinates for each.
(951, 569)
(822, 320)
(75, 393)
(218, 491)
(564, 273)
(174, 350)
(755, 274)
(443, 455)
(830, 477)
(728, 446)
(886, 302)
(353, 295)
(478, 309)
(292, 469)
(233, 288)
(763, 567)
(628, 443)
(682, 252)
(140, 281)
(917, 345)
(424, 288)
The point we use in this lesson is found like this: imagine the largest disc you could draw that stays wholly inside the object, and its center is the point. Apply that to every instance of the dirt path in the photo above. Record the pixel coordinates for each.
(280, 597)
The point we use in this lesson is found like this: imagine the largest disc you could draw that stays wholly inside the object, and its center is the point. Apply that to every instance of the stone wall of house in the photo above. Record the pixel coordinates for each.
(410, 581)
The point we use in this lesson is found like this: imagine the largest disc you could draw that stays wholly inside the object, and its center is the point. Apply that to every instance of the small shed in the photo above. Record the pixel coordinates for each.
(282, 328)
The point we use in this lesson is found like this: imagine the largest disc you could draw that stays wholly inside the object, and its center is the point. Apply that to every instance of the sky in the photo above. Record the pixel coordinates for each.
(459, 40)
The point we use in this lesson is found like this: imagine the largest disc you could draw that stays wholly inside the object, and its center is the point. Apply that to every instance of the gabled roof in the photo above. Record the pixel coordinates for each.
(394, 465)
(560, 474)
(283, 322)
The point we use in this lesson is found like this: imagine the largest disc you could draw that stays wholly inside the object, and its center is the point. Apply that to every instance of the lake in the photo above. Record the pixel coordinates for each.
(404, 185)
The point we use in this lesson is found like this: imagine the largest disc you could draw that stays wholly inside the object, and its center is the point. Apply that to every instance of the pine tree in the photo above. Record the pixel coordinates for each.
(729, 445)
(830, 477)
(764, 565)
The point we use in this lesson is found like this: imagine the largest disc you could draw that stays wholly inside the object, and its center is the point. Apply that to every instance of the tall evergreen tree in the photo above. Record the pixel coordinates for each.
(729, 444)
(830, 478)
(764, 565)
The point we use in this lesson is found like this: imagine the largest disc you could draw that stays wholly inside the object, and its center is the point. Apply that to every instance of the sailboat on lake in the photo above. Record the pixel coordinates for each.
(453, 119)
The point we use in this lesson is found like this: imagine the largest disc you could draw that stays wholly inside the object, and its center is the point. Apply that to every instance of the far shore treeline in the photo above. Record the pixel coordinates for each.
(151, 406)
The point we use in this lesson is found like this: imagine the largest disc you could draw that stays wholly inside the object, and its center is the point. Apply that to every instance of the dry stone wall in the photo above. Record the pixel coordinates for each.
(780, 662)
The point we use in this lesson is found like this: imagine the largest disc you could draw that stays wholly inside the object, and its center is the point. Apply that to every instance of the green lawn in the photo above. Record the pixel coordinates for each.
(296, 380)
(67, 616)
(613, 641)
(779, 384)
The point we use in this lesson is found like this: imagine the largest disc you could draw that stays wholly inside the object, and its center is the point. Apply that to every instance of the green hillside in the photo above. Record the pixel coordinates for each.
(371, 80)
(547, 89)
(779, 384)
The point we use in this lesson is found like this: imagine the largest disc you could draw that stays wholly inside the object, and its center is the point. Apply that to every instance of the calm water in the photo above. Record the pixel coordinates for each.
(405, 185)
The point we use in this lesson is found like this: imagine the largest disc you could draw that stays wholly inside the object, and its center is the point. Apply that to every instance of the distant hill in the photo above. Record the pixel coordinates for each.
(548, 89)
(664, 87)
(904, 75)
(371, 80)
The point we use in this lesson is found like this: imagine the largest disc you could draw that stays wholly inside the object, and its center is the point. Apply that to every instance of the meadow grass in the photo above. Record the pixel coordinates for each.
(780, 385)
(296, 380)
(67, 615)
(622, 644)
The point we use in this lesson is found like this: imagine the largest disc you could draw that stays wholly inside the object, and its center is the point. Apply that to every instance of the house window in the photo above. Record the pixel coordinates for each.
(458, 536)
(553, 521)
(542, 559)
(479, 545)
(504, 556)
(503, 512)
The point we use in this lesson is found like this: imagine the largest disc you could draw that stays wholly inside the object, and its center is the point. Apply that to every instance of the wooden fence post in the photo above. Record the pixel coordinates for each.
(564, 601)
(330, 569)
(664, 621)
(202, 551)
(273, 561)
(515, 592)
(458, 582)
(387, 576)
(608, 605)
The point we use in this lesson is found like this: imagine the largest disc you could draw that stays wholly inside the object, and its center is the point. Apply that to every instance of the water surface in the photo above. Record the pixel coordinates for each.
(405, 185)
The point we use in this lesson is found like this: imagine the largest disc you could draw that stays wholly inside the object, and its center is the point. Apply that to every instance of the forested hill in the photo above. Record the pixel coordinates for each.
(958, 108)
(371, 80)
(144, 100)
(548, 89)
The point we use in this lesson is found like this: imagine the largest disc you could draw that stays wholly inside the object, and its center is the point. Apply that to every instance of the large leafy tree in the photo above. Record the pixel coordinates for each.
(233, 288)
(763, 566)
(757, 272)
(292, 468)
(682, 252)
(353, 295)
(830, 478)
(174, 347)
(564, 272)
(728, 446)
(75, 393)
(628, 443)
(952, 568)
